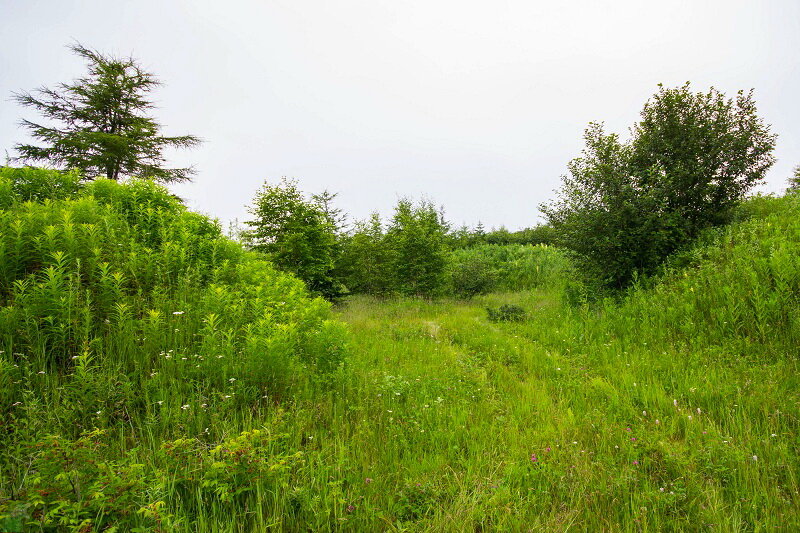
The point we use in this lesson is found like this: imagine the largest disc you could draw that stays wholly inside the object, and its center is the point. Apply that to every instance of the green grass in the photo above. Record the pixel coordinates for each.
(674, 409)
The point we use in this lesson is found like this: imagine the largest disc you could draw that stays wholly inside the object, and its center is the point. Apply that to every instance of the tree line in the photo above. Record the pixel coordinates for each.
(622, 209)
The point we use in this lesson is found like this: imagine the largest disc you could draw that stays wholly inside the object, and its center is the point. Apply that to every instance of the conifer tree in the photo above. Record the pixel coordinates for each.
(99, 124)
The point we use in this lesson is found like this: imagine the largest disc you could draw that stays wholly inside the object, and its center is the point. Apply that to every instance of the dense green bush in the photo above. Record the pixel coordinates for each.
(408, 256)
(365, 263)
(626, 206)
(416, 244)
(36, 184)
(297, 234)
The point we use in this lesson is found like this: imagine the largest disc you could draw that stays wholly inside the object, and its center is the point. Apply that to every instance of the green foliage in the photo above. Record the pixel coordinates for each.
(365, 263)
(78, 489)
(483, 268)
(103, 128)
(36, 185)
(624, 207)
(794, 181)
(298, 235)
(409, 256)
(471, 274)
(506, 313)
(223, 405)
(416, 243)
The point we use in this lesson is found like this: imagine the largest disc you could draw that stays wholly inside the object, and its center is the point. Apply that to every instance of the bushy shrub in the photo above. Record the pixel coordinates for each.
(124, 272)
(506, 313)
(416, 243)
(471, 275)
(30, 184)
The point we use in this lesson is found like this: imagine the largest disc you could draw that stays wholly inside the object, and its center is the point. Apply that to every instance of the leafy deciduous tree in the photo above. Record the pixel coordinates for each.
(625, 206)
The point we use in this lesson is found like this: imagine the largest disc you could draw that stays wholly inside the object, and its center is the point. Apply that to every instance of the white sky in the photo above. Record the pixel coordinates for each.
(476, 105)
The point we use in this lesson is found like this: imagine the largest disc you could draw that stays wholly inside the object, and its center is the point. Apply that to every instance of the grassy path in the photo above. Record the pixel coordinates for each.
(454, 423)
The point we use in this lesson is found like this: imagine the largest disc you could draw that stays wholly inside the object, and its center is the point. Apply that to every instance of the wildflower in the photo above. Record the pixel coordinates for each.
(351, 508)
(16, 404)
(675, 403)
(636, 462)
(99, 412)
(633, 439)
(534, 458)
(41, 372)
(774, 435)
(185, 407)
(690, 417)
(231, 380)
(160, 402)
(699, 412)
(644, 413)
(367, 481)
(755, 458)
(203, 405)
(177, 312)
(627, 429)
(657, 421)
(547, 449)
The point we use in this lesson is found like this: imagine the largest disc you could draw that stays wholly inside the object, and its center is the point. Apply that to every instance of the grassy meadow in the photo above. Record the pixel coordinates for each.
(156, 377)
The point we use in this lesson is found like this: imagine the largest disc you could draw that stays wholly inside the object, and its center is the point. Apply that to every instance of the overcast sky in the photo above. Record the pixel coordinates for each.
(476, 105)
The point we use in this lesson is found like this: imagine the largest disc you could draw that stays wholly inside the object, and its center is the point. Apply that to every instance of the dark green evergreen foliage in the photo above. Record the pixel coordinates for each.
(365, 263)
(624, 207)
(408, 256)
(465, 237)
(416, 244)
(298, 235)
(794, 181)
(99, 124)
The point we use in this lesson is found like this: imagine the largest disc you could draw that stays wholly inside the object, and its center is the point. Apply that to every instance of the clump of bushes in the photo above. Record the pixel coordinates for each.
(506, 313)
